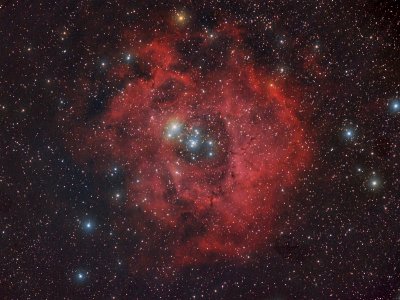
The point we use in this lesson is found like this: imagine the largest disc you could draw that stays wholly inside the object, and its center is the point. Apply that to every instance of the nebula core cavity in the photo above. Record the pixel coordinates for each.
(207, 149)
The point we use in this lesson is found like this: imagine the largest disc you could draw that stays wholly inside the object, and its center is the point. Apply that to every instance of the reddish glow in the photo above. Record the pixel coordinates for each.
(213, 208)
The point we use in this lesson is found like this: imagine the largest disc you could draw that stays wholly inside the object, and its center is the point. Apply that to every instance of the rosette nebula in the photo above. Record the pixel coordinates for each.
(207, 149)
(200, 149)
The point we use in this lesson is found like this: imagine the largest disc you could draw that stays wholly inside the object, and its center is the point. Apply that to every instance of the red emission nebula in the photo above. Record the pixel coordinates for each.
(207, 142)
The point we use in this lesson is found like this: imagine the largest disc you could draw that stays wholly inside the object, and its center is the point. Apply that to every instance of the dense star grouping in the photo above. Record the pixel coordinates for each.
(215, 150)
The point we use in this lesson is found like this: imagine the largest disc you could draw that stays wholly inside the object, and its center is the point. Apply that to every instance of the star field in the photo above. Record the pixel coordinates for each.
(200, 150)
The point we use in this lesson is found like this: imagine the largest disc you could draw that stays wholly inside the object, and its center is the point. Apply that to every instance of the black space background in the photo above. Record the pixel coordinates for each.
(346, 245)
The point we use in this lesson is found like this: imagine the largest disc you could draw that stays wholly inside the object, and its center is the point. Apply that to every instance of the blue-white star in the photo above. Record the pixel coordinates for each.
(81, 276)
(394, 106)
(88, 226)
(349, 133)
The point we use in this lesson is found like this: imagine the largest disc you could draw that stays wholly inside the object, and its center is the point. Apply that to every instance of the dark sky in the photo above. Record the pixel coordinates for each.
(199, 150)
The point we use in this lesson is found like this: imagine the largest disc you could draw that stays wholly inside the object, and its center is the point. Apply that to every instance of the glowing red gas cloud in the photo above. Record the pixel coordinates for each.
(207, 140)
